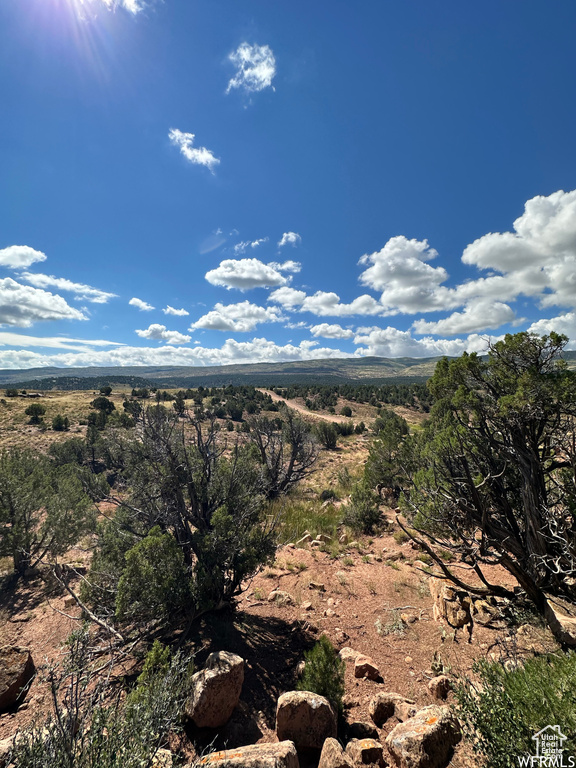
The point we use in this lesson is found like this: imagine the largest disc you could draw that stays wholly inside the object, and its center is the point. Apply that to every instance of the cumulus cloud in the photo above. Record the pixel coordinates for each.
(334, 331)
(392, 342)
(243, 246)
(195, 155)
(81, 291)
(245, 274)
(20, 256)
(242, 317)
(253, 351)
(178, 312)
(143, 306)
(289, 238)
(22, 305)
(325, 303)
(565, 323)
(480, 314)
(158, 332)
(255, 68)
(287, 266)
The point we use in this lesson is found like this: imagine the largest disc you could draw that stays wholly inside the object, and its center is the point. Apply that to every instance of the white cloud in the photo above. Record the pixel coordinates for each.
(20, 256)
(158, 332)
(562, 324)
(178, 312)
(143, 306)
(289, 298)
(255, 68)
(331, 331)
(195, 155)
(242, 317)
(287, 266)
(480, 314)
(391, 342)
(253, 351)
(21, 305)
(10, 339)
(289, 238)
(325, 303)
(245, 274)
(82, 292)
(243, 246)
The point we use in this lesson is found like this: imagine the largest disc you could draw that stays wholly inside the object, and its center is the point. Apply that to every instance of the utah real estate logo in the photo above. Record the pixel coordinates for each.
(549, 751)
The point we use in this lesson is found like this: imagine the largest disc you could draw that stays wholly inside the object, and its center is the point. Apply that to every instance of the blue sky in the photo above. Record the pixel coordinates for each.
(196, 182)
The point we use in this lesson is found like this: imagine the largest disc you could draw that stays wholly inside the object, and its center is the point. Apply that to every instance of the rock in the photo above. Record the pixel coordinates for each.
(382, 706)
(440, 686)
(361, 729)
(304, 540)
(343, 539)
(305, 718)
(5, 749)
(348, 654)
(365, 667)
(365, 752)
(333, 756)
(16, 673)
(404, 710)
(561, 622)
(163, 759)
(281, 755)
(300, 667)
(307, 606)
(216, 690)
(425, 740)
(317, 585)
(315, 544)
(69, 602)
(324, 538)
(454, 606)
(280, 597)
(329, 612)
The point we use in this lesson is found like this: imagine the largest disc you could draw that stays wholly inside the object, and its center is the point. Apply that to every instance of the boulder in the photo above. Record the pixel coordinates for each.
(365, 752)
(305, 718)
(382, 706)
(280, 597)
(16, 673)
(440, 687)
(404, 710)
(216, 690)
(333, 756)
(364, 666)
(282, 755)
(425, 740)
(451, 605)
(5, 750)
(361, 729)
(348, 654)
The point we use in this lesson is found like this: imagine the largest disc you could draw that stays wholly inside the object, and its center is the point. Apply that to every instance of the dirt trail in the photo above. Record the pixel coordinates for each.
(303, 410)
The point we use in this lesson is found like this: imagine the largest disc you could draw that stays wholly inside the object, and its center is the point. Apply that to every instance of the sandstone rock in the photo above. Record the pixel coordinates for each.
(348, 654)
(333, 756)
(280, 597)
(305, 718)
(454, 606)
(16, 673)
(343, 539)
(365, 752)
(382, 706)
(307, 606)
(329, 612)
(404, 709)
(365, 667)
(281, 755)
(5, 749)
(304, 540)
(425, 740)
(216, 690)
(316, 585)
(316, 544)
(324, 538)
(440, 686)
(361, 729)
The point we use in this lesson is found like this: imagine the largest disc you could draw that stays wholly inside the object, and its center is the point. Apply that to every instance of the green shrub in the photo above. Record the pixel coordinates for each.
(35, 411)
(60, 423)
(154, 583)
(324, 673)
(346, 411)
(327, 435)
(363, 512)
(503, 712)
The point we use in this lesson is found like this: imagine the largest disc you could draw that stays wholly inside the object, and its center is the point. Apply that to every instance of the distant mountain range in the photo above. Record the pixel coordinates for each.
(364, 370)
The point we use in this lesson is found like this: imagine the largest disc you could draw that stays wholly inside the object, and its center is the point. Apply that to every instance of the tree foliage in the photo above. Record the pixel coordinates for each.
(324, 673)
(497, 476)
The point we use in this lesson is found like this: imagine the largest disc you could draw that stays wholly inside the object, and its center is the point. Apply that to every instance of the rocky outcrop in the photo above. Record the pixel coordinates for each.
(365, 752)
(282, 755)
(333, 756)
(305, 718)
(16, 673)
(440, 687)
(364, 666)
(451, 605)
(425, 740)
(216, 690)
(388, 704)
(361, 729)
